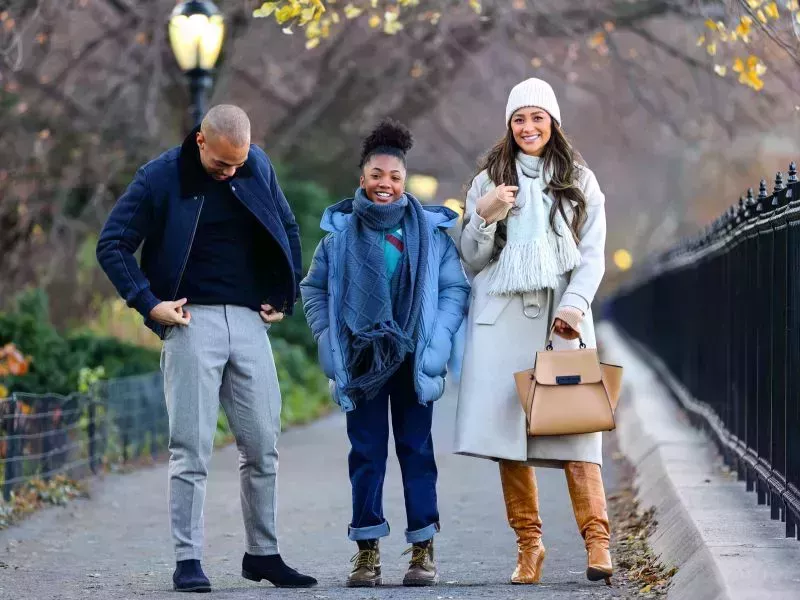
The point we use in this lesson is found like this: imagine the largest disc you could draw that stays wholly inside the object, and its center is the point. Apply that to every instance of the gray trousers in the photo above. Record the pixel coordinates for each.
(222, 356)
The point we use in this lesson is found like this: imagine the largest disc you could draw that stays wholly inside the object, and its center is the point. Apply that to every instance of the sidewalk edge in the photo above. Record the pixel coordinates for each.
(649, 446)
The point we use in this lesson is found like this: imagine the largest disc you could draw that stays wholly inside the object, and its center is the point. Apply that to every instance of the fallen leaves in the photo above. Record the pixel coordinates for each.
(637, 568)
(37, 494)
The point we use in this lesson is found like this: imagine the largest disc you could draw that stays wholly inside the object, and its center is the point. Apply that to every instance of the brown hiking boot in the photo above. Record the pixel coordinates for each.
(366, 565)
(422, 568)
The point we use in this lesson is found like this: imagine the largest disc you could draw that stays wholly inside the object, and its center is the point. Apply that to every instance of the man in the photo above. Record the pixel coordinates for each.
(220, 263)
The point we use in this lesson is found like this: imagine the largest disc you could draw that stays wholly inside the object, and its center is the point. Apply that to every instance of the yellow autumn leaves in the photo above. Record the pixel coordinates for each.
(765, 10)
(304, 13)
(751, 68)
(318, 17)
(750, 71)
(761, 14)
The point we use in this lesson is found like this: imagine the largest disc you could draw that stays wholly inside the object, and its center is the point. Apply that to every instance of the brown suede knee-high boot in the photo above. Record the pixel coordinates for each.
(522, 508)
(589, 503)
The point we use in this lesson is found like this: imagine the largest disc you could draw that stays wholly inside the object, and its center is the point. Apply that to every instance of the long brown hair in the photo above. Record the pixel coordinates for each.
(559, 159)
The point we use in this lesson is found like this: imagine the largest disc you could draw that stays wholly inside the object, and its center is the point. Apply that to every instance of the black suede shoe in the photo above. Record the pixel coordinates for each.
(189, 577)
(273, 569)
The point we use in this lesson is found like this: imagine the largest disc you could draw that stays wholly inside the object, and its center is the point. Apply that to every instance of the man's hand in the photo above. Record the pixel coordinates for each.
(269, 314)
(563, 330)
(171, 313)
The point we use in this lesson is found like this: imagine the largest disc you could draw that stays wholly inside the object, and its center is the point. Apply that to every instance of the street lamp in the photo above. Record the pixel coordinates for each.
(196, 33)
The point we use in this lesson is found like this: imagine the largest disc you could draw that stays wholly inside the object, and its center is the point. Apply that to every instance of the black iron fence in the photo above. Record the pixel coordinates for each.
(44, 435)
(722, 312)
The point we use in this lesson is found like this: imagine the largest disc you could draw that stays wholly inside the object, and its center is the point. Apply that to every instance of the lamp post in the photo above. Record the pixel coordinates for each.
(196, 33)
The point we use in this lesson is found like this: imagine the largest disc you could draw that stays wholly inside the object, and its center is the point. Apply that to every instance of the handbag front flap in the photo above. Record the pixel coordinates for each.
(568, 367)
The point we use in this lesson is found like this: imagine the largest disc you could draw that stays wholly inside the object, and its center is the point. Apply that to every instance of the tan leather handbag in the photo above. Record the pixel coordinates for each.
(569, 392)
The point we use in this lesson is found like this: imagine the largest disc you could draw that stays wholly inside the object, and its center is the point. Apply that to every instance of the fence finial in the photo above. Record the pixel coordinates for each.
(792, 173)
(741, 211)
(778, 182)
(761, 205)
(750, 204)
(776, 191)
(731, 218)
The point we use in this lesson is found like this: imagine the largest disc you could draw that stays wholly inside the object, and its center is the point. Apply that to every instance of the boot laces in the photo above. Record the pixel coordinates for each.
(366, 558)
(419, 555)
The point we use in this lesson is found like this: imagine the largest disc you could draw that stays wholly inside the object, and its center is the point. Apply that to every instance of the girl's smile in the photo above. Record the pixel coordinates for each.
(384, 179)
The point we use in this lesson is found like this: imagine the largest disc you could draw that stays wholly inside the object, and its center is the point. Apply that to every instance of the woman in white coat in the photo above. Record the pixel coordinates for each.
(534, 236)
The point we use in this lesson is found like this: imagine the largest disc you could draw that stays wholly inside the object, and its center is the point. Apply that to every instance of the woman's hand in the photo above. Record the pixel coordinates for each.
(494, 206)
(563, 329)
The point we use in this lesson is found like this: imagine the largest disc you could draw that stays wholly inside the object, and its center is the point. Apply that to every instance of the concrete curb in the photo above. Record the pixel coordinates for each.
(724, 545)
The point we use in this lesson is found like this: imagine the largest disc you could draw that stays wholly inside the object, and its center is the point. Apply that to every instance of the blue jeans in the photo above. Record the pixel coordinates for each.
(368, 430)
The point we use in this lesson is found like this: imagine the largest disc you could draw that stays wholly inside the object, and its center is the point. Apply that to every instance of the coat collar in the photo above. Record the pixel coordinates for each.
(192, 175)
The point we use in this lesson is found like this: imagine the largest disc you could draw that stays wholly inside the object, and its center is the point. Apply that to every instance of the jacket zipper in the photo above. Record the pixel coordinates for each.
(188, 250)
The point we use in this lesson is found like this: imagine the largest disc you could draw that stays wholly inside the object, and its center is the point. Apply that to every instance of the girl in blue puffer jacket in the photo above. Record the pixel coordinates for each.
(384, 297)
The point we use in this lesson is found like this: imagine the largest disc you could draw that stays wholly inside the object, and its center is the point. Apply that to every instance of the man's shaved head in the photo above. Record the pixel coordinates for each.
(224, 141)
(227, 121)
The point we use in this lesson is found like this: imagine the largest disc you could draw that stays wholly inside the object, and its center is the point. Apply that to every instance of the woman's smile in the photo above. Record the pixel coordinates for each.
(532, 128)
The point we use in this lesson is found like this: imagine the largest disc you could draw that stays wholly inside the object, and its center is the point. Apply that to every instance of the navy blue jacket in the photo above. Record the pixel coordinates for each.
(161, 208)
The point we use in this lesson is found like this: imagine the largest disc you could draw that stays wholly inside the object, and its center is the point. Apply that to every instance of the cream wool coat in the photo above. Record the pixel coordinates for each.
(505, 332)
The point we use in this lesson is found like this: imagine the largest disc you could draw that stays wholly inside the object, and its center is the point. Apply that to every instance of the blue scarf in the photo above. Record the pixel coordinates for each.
(380, 317)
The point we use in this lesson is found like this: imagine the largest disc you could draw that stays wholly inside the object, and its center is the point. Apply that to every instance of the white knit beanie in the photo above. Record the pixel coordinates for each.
(533, 92)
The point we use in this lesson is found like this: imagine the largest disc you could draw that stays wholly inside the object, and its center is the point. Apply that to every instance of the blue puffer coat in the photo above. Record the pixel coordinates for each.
(444, 303)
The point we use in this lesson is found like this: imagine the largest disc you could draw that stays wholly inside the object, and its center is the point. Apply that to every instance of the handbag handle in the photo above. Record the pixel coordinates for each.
(549, 346)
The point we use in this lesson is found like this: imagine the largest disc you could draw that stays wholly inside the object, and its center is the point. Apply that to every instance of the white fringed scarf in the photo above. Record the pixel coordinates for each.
(535, 253)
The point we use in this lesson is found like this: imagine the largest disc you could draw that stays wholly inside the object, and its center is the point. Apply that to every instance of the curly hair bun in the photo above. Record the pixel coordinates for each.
(388, 137)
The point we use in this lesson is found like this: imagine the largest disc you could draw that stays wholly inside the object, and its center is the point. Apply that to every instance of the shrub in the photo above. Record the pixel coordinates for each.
(304, 388)
(308, 201)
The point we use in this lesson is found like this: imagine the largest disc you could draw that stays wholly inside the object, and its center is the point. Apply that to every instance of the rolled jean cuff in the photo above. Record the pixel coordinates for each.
(368, 533)
(422, 535)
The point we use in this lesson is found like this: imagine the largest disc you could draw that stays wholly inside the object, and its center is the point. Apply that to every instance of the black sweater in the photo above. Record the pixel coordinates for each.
(229, 258)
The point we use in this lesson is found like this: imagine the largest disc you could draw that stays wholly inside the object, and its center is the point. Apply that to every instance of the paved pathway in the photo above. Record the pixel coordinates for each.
(116, 545)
